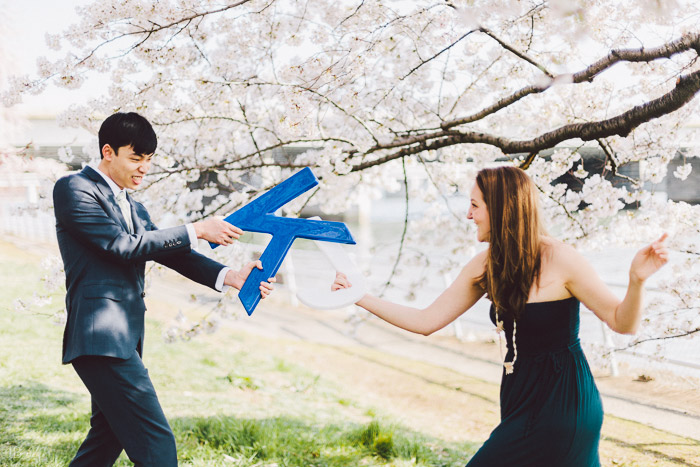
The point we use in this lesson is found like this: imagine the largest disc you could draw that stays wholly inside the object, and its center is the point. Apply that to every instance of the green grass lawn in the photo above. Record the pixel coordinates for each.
(231, 399)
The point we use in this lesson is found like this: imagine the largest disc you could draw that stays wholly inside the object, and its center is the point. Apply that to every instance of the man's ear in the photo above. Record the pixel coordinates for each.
(107, 152)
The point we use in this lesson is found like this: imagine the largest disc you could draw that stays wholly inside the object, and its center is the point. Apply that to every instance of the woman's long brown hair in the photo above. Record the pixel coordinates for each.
(514, 256)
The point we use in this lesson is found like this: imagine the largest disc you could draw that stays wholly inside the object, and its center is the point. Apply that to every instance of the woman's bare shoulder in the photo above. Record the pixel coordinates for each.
(479, 260)
(556, 245)
(560, 254)
(476, 266)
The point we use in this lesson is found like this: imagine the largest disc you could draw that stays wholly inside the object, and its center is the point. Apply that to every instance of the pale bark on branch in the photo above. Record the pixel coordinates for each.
(621, 125)
(683, 44)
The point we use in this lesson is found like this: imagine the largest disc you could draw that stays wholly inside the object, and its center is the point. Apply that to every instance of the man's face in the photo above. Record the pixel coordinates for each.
(126, 167)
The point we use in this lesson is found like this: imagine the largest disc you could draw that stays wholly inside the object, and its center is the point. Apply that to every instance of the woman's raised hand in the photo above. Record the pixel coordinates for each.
(649, 259)
(341, 282)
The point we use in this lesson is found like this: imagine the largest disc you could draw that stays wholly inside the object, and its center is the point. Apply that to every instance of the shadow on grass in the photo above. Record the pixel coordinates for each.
(649, 449)
(39, 426)
(42, 426)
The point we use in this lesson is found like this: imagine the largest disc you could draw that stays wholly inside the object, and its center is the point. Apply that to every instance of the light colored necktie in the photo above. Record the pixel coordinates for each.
(126, 208)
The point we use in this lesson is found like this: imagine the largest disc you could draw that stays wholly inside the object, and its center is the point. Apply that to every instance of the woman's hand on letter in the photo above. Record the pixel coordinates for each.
(341, 282)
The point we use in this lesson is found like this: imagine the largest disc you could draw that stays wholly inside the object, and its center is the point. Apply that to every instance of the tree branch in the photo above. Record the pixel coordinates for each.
(685, 89)
(610, 158)
(685, 43)
(516, 52)
(157, 28)
(651, 339)
(437, 54)
(403, 234)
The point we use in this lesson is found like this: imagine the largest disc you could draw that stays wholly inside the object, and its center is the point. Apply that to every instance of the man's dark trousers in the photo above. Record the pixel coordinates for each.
(126, 415)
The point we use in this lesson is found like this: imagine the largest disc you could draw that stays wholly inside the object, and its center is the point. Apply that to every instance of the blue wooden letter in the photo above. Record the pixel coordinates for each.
(259, 216)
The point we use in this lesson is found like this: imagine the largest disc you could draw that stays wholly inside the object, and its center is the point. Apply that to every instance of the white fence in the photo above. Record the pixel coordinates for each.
(19, 213)
(34, 225)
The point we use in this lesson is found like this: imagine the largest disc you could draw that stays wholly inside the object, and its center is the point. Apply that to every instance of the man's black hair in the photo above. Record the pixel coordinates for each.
(128, 129)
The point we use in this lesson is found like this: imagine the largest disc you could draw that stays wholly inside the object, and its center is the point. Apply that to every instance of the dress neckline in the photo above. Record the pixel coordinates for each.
(551, 301)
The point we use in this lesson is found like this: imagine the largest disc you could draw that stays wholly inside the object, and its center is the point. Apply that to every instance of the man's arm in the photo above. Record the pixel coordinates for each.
(213, 274)
(194, 266)
(82, 214)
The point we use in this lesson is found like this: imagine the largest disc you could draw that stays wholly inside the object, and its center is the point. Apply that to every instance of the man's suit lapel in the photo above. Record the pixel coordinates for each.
(106, 192)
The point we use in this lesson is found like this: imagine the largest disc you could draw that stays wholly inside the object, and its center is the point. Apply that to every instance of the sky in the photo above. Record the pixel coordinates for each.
(26, 31)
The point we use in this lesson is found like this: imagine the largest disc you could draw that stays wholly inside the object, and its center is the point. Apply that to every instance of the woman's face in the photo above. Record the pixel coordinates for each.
(479, 214)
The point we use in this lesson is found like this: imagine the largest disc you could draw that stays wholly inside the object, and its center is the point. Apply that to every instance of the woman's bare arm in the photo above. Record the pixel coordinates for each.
(583, 282)
(455, 300)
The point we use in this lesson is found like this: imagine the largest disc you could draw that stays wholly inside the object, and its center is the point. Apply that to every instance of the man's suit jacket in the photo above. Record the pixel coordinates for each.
(105, 264)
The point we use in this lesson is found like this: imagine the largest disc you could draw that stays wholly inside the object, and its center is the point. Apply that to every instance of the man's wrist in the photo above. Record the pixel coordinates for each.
(233, 279)
(221, 285)
(192, 234)
(197, 229)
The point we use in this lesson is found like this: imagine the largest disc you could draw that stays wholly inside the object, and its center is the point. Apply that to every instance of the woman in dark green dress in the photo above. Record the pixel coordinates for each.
(551, 412)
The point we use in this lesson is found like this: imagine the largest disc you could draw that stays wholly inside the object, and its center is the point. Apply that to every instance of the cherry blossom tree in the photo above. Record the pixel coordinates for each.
(377, 96)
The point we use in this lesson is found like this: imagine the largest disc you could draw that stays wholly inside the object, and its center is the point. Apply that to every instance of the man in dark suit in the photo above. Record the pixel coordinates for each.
(105, 239)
